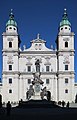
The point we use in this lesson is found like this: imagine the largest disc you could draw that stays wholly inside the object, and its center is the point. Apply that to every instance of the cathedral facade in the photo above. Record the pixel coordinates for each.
(56, 66)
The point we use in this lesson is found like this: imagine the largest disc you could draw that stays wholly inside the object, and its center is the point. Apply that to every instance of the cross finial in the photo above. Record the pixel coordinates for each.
(11, 11)
(11, 14)
(38, 36)
(65, 10)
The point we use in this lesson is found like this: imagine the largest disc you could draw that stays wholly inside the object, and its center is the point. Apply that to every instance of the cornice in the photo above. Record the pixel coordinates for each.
(63, 50)
(9, 34)
(66, 34)
(38, 52)
(65, 72)
(10, 72)
(42, 73)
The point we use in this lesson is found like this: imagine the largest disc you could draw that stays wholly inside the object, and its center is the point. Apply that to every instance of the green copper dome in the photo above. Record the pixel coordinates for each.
(65, 20)
(11, 20)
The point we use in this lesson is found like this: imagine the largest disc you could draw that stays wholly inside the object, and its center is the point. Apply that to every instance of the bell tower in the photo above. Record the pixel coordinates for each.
(10, 74)
(65, 60)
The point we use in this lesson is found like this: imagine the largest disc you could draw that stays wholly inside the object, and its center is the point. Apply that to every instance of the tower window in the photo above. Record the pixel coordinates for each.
(66, 44)
(10, 67)
(66, 67)
(14, 28)
(66, 90)
(10, 91)
(29, 68)
(47, 68)
(65, 27)
(10, 27)
(47, 81)
(66, 80)
(10, 44)
(61, 28)
(29, 81)
(10, 80)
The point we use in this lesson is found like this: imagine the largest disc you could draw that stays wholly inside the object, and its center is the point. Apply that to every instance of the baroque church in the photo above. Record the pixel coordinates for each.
(56, 66)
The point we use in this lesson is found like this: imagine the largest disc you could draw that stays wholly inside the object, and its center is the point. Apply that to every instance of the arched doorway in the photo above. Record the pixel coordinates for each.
(48, 95)
(76, 98)
(0, 100)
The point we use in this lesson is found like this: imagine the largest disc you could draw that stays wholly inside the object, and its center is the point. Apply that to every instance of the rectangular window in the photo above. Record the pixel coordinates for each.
(66, 67)
(47, 81)
(66, 91)
(29, 68)
(10, 80)
(66, 44)
(10, 67)
(10, 44)
(47, 68)
(10, 91)
(29, 81)
(66, 80)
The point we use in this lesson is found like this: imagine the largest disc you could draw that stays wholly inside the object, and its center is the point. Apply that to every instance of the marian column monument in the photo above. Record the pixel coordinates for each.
(36, 92)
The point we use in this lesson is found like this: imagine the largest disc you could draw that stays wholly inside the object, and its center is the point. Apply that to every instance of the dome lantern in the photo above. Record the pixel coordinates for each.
(65, 20)
(65, 25)
(11, 21)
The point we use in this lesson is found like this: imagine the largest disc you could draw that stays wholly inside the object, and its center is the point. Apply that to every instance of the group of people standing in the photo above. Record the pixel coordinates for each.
(7, 110)
(63, 103)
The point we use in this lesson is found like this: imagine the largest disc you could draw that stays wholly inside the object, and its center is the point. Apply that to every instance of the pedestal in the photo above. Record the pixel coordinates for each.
(36, 97)
(37, 91)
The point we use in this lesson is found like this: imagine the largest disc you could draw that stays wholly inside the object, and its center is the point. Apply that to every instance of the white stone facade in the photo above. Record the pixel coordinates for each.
(56, 67)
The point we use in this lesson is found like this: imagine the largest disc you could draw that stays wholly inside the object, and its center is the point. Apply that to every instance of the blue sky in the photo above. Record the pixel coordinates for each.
(38, 16)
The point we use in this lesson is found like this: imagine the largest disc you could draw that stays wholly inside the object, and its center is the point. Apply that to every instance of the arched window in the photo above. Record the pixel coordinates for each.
(10, 67)
(10, 27)
(10, 80)
(66, 44)
(10, 44)
(66, 90)
(0, 98)
(10, 91)
(66, 67)
(66, 80)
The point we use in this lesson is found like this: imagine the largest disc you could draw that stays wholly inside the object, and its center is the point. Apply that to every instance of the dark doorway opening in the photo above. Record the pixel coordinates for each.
(48, 95)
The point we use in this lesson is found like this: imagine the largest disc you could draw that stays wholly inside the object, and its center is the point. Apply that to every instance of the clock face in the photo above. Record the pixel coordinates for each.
(37, 87)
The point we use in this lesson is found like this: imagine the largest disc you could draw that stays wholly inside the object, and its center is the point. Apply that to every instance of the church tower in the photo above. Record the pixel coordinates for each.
(10, 75)
(65, 60)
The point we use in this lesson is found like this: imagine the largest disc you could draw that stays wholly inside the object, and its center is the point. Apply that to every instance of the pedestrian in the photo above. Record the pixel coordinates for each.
(63, 103)
(8, 107)
(67, 104)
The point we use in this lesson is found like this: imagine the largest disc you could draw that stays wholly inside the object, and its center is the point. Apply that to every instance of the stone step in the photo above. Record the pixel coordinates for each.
(37, 104)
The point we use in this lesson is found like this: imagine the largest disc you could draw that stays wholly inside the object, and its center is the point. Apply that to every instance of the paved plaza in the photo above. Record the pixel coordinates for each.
(40, 114)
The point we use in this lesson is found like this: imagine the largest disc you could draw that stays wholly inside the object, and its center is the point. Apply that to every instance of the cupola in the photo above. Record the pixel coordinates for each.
(11, 25)
(65, 25)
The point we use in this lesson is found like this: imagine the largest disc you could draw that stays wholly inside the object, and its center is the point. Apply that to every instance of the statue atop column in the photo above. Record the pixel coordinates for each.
(37, 63)
(37, 74)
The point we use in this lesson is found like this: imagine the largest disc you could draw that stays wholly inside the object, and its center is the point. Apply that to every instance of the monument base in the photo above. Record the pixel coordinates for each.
(36, 97)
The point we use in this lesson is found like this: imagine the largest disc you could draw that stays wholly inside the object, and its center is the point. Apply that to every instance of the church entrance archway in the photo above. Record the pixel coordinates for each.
(76, 98)
(0, 100)
(48, 95)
